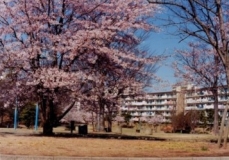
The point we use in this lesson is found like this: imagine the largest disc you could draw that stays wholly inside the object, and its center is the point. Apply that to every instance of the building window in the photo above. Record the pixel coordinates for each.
(150, 101)
(200, 106)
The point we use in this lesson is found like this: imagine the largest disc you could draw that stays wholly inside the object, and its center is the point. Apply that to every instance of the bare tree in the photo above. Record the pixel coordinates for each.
(205, 20)
(201, 66)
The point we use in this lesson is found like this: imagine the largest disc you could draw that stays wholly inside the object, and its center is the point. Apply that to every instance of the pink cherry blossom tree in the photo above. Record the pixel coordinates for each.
(201, 66)
(119, 119)
(54, 49)
(108, 95)
(79, 116)
(155, 121)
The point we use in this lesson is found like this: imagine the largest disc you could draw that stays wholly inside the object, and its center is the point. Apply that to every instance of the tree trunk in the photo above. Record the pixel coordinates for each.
(149, 129)
(47, 128)
(222, 127)
(226, 135)
(109, 120)
(47, 116)
(119, 128)
(227, 126)
(100, 118)
(226, 108)
(93, 122)
(216, 110)
(2, 118)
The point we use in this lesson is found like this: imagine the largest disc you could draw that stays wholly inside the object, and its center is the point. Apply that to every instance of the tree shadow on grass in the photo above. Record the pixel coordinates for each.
(88, 135)
(104, 136)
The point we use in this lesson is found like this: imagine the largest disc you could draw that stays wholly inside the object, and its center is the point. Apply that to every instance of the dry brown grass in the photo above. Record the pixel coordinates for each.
(88, 147)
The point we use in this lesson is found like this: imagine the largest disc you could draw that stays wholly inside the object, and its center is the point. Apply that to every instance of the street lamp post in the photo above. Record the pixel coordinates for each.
(16, 115)
(36, 117)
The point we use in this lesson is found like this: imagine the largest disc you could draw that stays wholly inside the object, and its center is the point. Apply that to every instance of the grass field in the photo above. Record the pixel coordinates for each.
(29, 142)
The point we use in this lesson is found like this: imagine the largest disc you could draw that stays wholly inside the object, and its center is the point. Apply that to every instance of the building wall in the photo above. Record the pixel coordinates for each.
(180, 99)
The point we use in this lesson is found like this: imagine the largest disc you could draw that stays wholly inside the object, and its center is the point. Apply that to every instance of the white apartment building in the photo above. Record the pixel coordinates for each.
(181, 98)
(148, 105)
(202, 98)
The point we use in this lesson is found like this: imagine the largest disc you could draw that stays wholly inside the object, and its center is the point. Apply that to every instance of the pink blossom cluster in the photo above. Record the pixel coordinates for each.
(79, 116)
(69, 47)
(155, 120)
(119, 118)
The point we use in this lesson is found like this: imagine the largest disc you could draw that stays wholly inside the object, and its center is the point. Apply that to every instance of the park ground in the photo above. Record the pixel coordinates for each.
(128, 144)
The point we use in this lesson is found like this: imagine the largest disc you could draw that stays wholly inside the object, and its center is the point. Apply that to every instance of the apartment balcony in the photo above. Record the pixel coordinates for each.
(166, 114)
(166, 120)
(161, 97)
(205, 106)
(221, 106)
(171, 102)
(144, 114)
(164, 96)
(138, 103)
(193, 95)
(157, 104)
(209, 107)
(144, 109)
(133, 109)
(170, 96)
(139, 109)
(190, 101)
(163, 108)
(223, 100)
(134, 119)
(193, 108)
(147, 109)
(202, 108)
(124, 109)
(153, 114)
(199, 101)
(135, 114)
(206, 101)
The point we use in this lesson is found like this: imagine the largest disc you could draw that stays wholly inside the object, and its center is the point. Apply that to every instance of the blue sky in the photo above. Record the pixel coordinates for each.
(164, 43)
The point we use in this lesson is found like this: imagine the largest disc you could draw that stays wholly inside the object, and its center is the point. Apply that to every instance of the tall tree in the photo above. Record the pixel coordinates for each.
(205, 20)
(51, 47)
(201, 66)
(108, 95)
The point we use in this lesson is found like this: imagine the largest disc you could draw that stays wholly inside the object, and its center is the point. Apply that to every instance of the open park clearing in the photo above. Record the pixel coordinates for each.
(174, 145)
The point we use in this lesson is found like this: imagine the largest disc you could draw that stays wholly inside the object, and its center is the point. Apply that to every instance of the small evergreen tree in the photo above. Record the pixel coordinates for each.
(210, 115)
(127, 116)
(27, 115)
(203, 119)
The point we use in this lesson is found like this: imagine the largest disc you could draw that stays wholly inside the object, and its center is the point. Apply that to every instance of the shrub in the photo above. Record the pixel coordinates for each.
(27, 115)
(204, 148)
(127, 126)
(185, 122)
(167, 129)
